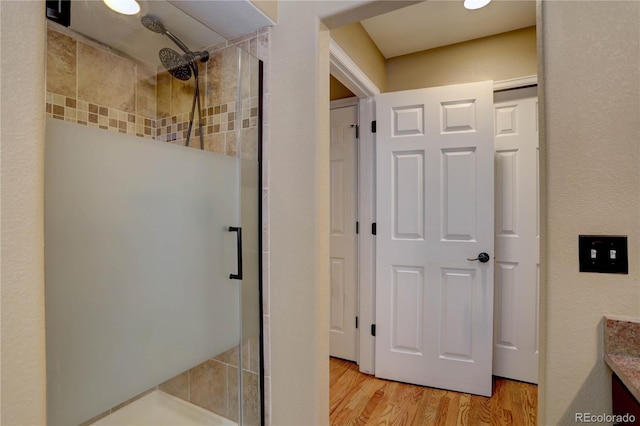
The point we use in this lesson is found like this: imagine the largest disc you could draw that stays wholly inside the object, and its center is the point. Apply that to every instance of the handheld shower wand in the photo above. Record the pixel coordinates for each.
(153, 23)
(180, 67)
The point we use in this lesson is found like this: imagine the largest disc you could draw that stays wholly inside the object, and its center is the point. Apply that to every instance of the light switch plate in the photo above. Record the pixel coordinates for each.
(603, 253)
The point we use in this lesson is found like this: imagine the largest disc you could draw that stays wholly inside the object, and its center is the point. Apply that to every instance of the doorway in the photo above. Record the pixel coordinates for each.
(365, 338)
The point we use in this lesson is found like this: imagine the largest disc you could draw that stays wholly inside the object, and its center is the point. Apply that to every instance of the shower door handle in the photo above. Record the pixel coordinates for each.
(238, 230)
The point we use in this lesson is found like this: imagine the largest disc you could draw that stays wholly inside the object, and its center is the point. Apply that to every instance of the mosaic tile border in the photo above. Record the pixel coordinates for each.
(93, 115)
(218, 119)
(215, 119)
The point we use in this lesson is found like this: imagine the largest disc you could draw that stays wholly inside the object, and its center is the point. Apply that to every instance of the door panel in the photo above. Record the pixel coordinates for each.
(459, 192)
(456, 328)
(408, 195)
(343, 250)
(406, 329)
(517, 235)
(434, 307)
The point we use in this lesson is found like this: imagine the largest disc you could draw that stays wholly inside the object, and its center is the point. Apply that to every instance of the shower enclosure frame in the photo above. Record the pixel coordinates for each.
(255, 63)
(260, 240)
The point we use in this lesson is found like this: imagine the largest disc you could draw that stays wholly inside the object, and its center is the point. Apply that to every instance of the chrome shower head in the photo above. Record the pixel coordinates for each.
(176, 64)
(152, 23)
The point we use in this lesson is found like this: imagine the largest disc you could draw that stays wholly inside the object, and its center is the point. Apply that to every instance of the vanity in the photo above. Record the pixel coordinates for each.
(622, 355)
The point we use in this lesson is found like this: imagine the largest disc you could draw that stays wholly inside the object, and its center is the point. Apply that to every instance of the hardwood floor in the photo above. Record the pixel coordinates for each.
(360, 399)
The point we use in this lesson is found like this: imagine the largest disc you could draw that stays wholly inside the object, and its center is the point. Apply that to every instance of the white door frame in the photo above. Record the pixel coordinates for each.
(353, 78)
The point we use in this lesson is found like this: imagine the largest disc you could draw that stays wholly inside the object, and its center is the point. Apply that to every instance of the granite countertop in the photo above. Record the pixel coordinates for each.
(622, 350)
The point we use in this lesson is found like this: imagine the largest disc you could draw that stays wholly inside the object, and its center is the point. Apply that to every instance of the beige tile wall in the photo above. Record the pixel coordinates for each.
(229, 127)
(140, 99)
(213, 384)
(93, 85)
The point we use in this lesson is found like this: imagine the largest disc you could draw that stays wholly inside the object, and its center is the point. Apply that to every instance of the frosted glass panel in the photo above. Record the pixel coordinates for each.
(251, 235)
(137, 263)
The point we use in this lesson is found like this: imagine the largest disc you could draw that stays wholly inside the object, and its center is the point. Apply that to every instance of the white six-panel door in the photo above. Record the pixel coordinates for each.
(517, 235)
(435, 210)
(343, 250)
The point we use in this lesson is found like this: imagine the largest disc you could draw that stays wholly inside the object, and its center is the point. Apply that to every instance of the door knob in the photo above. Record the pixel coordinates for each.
(482, 257)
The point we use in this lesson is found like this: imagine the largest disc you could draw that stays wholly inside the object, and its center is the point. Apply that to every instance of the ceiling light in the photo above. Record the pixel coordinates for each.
(126, 7)
(474, 4)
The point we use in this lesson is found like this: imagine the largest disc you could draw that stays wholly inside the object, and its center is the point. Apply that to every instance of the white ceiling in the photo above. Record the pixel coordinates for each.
(125, 33)
(436, 23)
(423, 26)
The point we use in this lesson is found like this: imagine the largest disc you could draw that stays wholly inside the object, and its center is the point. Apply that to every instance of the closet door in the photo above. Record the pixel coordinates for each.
(343, 250)
(517, 235)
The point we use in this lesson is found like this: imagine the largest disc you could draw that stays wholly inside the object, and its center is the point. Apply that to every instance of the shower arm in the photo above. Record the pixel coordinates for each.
(203, 56)
(178, 43)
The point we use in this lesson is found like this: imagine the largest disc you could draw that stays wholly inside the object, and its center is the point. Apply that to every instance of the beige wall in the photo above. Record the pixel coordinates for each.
(298, 281)
(338, 90)
(356, 43)
(592, 186)
(22, 383)
(499, 57)
(591, 108)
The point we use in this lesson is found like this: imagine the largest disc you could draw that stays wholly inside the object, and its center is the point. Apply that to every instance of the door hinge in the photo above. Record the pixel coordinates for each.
(374, 228)
(373, 126)
(357, 132)
(357, 227)
(373, 330)
(356, 322)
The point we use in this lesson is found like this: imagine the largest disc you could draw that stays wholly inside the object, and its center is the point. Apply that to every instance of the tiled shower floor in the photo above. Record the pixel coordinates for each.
(161, 409)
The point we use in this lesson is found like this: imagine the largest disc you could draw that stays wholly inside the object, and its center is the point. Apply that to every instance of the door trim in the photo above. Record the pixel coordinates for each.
(343, 103)
(348, 73)
(515, 83)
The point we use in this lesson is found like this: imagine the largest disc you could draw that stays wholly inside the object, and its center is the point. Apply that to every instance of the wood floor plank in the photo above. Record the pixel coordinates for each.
(464, 409)
(356, 400)
(406, 404)
(522, 401)
(501, 413)
(337, 369)
(480, 410)
(384, 410)
(442, 410)
(455, 399)
(345, 389)
(363, 400)
(427, 407)
(367, 413)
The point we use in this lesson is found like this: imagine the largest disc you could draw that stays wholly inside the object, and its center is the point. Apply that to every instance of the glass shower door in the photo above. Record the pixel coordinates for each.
(138, 264)
(152, 245)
